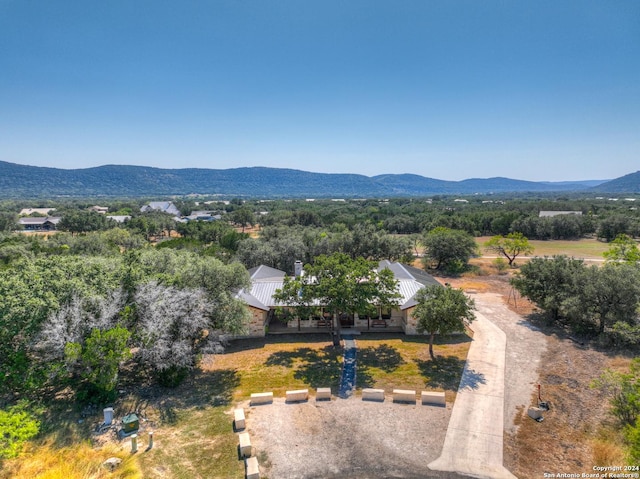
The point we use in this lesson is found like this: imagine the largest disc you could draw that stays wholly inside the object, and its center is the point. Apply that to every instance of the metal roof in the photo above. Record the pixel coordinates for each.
(265, 280)
(263, 272)
(39, 220)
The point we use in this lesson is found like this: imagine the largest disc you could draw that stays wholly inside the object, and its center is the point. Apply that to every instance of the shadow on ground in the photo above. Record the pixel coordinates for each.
(316, 367)
(199, 390)
(383, 357)
(257, 343)
(442, 372)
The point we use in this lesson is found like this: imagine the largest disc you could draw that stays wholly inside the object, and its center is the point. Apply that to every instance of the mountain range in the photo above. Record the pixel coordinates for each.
(22, 181)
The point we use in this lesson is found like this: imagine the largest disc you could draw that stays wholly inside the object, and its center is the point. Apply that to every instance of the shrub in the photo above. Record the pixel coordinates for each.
(16, 427)
(500, 265)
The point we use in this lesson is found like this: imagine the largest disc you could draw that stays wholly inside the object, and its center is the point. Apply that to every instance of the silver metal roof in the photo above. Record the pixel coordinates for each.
(266, 280)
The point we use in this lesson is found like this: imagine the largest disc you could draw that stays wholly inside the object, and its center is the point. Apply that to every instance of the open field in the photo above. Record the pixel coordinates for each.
(587, 248)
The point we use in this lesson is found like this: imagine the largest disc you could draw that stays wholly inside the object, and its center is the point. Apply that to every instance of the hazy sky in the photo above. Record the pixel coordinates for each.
(535, 90)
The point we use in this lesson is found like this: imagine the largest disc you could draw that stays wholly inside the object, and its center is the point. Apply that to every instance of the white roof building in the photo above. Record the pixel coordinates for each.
(548, 214)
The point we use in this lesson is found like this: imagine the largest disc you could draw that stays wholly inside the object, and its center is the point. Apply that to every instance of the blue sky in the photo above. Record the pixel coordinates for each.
(535, 90)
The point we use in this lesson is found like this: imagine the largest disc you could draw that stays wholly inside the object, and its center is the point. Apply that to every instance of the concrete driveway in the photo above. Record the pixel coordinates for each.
(474, 441)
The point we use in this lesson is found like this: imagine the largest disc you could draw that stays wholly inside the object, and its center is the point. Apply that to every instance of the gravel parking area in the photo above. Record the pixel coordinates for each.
(347, 438)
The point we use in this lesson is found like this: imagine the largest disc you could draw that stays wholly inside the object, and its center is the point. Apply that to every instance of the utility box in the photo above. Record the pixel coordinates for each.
(130, 423)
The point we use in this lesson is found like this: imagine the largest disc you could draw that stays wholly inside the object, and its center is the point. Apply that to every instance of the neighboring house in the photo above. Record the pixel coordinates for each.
(99, 209)
(202, 216)
(48, 223)
(264, 309)
(40, 211)
(164, 206)
(548, 214)
(119, 218)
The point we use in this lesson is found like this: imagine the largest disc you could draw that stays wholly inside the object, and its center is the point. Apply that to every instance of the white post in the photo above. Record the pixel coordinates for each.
(134, 443)
(108, 415)
(150, 439)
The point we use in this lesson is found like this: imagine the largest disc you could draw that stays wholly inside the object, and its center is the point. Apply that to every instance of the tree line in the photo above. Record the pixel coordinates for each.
(486, 215)
(600, 301)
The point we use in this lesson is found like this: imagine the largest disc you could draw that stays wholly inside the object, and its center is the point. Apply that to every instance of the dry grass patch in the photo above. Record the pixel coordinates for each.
(82, 461)
(199, 444)
(578, 432)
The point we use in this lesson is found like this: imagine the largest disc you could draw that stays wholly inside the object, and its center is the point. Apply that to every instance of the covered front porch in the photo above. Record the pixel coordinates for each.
(283, 322)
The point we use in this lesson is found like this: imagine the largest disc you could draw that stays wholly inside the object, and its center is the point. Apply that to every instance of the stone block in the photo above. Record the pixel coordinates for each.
(253, 471)
(404, 395)
(369, 394)
(323, 394)
(261, 398)
(238, 419)
(245, 444)
(298, 395)
(433, 397)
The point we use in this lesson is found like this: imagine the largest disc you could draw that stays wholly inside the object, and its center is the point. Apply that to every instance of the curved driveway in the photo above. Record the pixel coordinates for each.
(474, 441)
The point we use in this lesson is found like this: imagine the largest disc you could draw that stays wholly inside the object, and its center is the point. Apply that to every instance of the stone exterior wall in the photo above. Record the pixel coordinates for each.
(409, 322)
(256, 327)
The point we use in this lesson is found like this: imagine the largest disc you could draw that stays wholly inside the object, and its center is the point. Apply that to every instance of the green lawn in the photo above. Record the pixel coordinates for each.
(385, 361)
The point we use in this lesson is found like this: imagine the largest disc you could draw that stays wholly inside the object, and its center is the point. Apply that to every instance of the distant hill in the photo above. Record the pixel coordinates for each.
(20, 181)
(625, 184)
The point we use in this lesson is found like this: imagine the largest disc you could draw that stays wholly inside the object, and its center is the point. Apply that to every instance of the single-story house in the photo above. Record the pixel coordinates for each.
(203, 216)
(549, 214)
(265, 310)
(119, 218)
(100, 209)
(48, 223)
(164, 206)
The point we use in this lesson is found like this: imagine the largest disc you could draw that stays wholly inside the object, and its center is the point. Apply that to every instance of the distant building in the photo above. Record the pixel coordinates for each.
(202, 216)
(163, 206)
(99, 209)
(119, 218)
(40, 211)
(548, 214)
(43, 223)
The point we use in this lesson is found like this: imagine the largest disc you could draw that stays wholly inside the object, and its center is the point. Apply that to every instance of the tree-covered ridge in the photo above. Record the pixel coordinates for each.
(20, 181)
